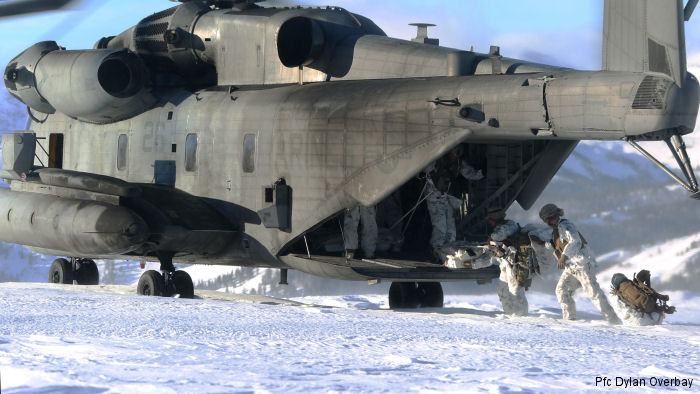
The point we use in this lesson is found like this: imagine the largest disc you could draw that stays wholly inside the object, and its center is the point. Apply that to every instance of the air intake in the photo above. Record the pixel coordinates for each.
(651, 93)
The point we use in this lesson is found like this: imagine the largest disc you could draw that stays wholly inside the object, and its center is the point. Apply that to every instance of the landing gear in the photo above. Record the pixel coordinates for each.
(83, 271)
(430, 294)
(151, 284)
(403, 295)
(170, 283)
(415, 294)
(677, 147)
(61, 271)
(86, 272)
(181, 283)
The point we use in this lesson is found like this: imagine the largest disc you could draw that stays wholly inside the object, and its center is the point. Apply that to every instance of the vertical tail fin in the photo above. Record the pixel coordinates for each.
(645, 35)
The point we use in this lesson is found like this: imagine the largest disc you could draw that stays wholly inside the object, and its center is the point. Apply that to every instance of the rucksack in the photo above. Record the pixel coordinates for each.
(638, 295)
(634, 296)
(524, 263)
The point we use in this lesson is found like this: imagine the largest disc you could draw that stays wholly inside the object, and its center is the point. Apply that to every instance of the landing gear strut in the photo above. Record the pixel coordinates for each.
(167, 284)
(677, 147)
(83, 271)
(415, 294)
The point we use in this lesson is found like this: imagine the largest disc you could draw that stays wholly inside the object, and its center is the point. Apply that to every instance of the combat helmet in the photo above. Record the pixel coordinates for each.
(549, 211)
(617, 279)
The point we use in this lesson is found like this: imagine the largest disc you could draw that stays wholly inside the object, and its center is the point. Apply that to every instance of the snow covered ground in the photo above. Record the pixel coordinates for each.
(56, 338)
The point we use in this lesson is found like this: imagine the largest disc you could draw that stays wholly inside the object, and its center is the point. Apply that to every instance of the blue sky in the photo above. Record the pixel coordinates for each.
(558, 32)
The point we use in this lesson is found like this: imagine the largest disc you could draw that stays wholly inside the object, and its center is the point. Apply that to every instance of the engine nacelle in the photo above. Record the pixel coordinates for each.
(300, 41)
(197, 45)
(166, 42)
(97, 86)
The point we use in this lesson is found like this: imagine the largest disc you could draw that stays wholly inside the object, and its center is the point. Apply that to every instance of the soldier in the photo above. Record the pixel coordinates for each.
(390, 217)
(636, 302)
(575, 258)
(353, 217)
(441, 205)
(510, 291)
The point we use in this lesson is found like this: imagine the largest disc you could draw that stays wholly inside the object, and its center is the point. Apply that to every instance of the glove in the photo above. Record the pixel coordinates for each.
(498, 252)
(561, 263)
(537, 240)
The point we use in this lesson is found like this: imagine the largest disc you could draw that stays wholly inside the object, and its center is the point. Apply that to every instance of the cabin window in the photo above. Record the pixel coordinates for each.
(191, 152)
(122, 148)
(249, 153)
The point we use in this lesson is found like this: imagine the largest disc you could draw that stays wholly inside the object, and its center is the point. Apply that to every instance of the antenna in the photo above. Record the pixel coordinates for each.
(422, 34)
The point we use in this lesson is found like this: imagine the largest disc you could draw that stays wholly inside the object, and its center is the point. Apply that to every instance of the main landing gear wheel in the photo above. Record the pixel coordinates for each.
(430, 294)
(87, 272)
(403, 295)
(182, 283)
(413, 295)
(151, 283)
(61, 271)
(83, 271)
(170, 283)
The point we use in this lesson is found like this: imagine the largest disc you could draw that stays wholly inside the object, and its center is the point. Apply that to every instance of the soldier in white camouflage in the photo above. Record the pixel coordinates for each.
(632, 317)
(510, 292)
(390, 216)
(368, 217)
(441, 205)
(579, 267)
(636, 303)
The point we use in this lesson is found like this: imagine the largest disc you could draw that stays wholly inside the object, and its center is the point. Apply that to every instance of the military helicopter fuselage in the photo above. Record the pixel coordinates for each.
(239, 135)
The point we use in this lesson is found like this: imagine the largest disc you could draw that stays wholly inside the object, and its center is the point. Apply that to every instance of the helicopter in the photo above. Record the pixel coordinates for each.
(223, 132)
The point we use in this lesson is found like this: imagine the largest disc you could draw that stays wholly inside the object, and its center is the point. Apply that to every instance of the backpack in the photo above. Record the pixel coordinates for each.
(638, 295)
(635, 296)
(524, 262)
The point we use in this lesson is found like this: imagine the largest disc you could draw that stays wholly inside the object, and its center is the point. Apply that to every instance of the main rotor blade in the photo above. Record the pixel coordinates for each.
(689, 8)
(19, 7)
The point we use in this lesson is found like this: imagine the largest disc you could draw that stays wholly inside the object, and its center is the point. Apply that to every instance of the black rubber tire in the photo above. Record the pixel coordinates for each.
(183, 284)
(430, 295)
(403, 295)
(61, 271)
(151, 284)
(87, 273)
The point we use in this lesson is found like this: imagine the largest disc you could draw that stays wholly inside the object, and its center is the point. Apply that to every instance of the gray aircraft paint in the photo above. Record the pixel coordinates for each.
(362, 116)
